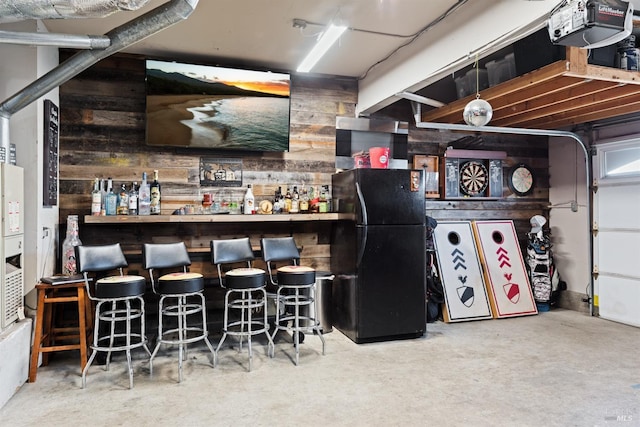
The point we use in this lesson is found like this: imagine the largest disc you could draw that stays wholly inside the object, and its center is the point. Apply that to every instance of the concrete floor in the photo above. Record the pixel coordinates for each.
(559, 368)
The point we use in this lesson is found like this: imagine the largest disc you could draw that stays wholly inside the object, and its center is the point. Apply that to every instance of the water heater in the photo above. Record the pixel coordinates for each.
(11, 243)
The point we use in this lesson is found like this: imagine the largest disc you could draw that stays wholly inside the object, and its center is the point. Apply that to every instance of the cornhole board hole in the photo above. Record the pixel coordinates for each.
(510, 294)
(465, 292)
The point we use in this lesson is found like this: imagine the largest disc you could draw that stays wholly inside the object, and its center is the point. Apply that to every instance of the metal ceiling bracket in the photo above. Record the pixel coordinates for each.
(421, 99)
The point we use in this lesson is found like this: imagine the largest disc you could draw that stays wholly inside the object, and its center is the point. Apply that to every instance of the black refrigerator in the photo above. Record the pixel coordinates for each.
(378, 257)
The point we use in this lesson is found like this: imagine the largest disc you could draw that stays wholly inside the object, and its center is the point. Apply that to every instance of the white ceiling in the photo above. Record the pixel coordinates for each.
(260, 33)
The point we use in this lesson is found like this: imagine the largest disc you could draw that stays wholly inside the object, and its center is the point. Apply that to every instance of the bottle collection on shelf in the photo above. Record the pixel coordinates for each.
(145, 200)
(311, 200)
(137, 200)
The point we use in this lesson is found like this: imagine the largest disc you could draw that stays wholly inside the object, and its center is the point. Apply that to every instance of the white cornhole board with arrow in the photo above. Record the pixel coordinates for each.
(505, 273)
(465, 293)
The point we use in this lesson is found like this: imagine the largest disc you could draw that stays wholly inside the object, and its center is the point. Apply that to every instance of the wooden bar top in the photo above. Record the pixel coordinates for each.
(218, 218)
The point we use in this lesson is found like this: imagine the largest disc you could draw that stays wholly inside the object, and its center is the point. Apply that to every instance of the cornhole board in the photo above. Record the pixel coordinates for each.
(465, 293)
(506, 277)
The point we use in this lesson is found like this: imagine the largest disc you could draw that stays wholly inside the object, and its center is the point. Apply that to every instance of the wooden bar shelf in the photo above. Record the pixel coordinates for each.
(150, 219)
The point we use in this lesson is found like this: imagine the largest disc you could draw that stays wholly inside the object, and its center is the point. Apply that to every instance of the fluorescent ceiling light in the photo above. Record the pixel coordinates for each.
(328, 38)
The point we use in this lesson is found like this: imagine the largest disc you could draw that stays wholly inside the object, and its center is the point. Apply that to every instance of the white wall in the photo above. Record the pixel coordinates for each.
(569, 230)
(480, 28)
(20, 66)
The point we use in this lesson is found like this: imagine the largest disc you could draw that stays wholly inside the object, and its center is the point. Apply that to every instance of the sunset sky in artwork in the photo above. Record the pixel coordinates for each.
(263, 81)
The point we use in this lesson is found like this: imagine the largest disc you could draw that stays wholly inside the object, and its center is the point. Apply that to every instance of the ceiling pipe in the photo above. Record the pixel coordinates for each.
(536, 132)
(22, 10)
(121, 37)
(73, 41)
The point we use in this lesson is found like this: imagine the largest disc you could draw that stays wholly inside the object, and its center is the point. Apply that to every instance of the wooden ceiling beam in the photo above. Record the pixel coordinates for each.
(618, 95)
(585, 114)
(565, 93)
(454, 109)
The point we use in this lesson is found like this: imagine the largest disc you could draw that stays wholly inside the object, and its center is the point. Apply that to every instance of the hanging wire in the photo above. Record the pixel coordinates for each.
(415, 35)
(477, 77)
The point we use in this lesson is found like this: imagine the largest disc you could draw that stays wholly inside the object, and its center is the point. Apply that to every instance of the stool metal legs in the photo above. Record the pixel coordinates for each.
(300, 323)
(113, 315)
(246, 303)
(181, 310)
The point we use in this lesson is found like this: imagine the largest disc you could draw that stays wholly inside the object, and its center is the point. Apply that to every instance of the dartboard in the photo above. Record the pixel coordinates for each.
(473, 178)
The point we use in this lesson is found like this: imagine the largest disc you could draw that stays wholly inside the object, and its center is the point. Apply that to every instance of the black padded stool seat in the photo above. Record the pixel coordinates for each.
(180, 283)
(120, 287)
(293, 275)
(245, 295)
(245, 278)
(182, 313)
(119, 304)
(296, 311)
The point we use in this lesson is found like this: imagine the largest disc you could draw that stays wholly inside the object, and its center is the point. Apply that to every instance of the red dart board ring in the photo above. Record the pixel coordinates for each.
(474, 178)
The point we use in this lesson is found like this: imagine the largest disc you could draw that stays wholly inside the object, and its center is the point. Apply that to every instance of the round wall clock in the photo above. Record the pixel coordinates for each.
(521, 179)
(474, 178)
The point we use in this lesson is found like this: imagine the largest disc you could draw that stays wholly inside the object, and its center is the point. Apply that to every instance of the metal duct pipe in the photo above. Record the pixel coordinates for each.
(21, 10)
(121, 37)
(53, 39)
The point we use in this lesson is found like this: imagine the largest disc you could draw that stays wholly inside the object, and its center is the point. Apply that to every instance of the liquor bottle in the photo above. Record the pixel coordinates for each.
(68, 246)
(122, 207)
(112, 199)
(277, 201)
(133, 199)
(295, 201)
(313, 199)
(322, 200)
(249, 201)
(96, 198)
(287, 201)
(103, 197)
(304, 201)
(281, 200)
(144, 196)
(154, 205)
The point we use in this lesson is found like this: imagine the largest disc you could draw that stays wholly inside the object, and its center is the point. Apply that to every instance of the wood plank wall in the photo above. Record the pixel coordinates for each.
(103, 135)
(530, 150)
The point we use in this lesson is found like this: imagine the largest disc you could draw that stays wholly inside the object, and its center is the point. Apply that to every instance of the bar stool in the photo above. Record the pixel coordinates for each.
(117, 293)
(50, 337)
(296, 290)
(181, 296)
(245, 292)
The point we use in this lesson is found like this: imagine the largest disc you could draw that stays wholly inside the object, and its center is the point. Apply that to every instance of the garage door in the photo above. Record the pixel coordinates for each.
(617, 240)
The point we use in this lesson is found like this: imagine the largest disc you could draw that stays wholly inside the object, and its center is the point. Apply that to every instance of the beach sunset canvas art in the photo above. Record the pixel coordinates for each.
(202, 106)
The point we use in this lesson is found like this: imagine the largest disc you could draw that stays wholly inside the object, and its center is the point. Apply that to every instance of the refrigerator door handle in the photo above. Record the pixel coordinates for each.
(362, 246)
(363, 206)
(363, 237)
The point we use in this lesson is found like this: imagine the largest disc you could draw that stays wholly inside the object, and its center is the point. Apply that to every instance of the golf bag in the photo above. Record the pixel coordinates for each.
(543, 275)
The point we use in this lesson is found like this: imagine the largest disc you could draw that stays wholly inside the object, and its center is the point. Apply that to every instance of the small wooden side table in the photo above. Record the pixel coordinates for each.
(48, 337)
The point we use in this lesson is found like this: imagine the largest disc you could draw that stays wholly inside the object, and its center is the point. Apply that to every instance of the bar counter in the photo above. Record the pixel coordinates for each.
(214, 218)
(312, 233)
